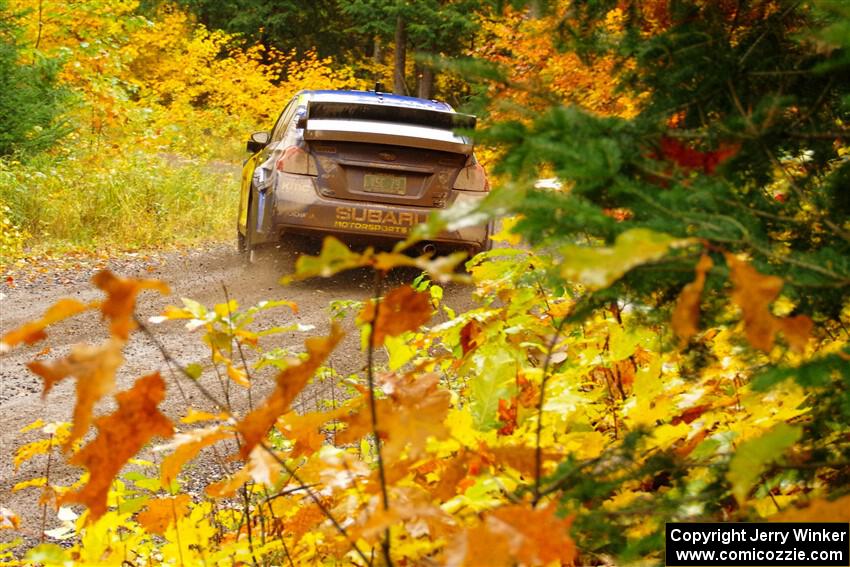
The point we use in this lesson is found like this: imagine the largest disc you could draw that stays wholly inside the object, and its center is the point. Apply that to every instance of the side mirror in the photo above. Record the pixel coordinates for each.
(257, 141)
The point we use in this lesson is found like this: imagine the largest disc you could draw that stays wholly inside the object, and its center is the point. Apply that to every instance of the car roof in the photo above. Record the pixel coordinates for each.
(376, 98)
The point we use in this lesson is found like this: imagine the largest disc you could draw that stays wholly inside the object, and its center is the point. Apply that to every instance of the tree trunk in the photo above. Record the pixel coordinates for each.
(426, 82)
(400, 57)
(377, 51)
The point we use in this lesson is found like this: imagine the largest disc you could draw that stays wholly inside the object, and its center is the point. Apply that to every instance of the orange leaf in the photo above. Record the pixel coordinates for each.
(403, 309)
(797, 330)
(753, 292)
(306, 430)
(515, 534)
(162, 512)
(289, 383)
(685, 320)
(8, 519)
(121, 435)
(94, 368)
(121, 299)
(409, 504)
(33, 331)
(238, 375)
(186, 446)
(469, 336)
(507, 415)
(415, 410)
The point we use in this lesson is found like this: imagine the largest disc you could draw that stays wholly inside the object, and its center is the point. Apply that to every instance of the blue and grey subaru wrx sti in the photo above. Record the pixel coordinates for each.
(358, 164)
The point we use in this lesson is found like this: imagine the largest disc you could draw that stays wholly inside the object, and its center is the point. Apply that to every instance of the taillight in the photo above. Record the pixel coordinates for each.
(296, 160)
(472, 178)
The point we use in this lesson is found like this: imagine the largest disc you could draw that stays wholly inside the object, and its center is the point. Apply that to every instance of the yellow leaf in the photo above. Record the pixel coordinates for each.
(33, 331)
(186, 446)
(94, 368)
(238, 375)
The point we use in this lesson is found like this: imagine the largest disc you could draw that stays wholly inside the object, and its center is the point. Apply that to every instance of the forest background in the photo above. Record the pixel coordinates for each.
(667, 343)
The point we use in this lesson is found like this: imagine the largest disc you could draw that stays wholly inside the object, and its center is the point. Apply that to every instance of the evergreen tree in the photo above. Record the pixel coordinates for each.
(431, 28)
(29, 98)
(735, 169)
(286, 25)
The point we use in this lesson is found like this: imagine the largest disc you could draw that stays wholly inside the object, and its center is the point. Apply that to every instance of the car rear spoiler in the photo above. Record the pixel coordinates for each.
(388, 124)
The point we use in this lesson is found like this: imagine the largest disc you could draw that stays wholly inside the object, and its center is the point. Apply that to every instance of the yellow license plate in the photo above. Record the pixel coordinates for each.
(385, 184)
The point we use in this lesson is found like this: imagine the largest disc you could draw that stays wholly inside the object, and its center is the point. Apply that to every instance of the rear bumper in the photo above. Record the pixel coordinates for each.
(296, 206)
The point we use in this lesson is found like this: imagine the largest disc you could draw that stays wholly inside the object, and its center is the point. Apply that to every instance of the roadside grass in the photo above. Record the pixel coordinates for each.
(113, 200)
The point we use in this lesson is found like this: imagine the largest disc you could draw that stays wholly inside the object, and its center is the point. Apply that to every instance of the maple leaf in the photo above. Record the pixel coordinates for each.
(289, 383)
(94, 367)
(753, 293)
(121, 435)
(306, 430)
(186, 446)
(515, 534)
(33, 331)
(415, 410)
(162, 512)
(402, 309)
(121, 299)
(685, 320)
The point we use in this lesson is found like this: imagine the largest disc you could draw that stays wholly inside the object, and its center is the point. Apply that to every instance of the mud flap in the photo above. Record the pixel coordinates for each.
(261, 209)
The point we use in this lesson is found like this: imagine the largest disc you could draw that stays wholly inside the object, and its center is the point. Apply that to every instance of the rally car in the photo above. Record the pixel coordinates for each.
(359, 164)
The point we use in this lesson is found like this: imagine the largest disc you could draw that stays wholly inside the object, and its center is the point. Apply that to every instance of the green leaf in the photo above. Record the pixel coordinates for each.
(494, 373)
(754, 455)
(599, 267)
(335, 257)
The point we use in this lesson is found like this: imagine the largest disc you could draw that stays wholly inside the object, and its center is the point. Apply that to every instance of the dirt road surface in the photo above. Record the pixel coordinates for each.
(197, 274)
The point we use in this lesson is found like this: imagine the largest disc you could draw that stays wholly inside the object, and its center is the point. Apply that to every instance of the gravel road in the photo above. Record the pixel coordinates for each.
(197, 274)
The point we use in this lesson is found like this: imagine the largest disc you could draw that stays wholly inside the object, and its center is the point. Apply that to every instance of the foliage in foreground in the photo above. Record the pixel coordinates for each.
(504, 435)
(671, 347)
